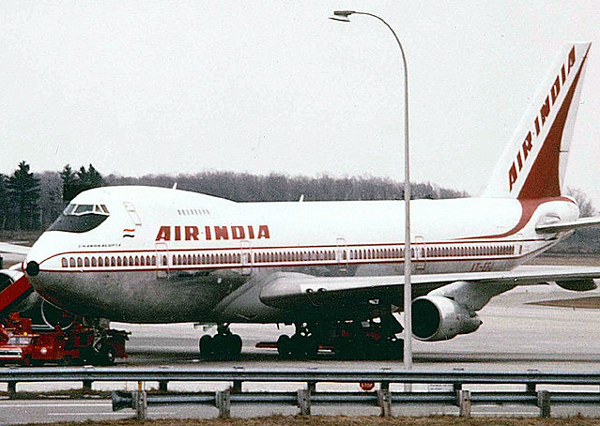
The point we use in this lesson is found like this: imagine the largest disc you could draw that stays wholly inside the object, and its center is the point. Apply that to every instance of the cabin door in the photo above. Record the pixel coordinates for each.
(246, 258)
(419, 252)
(162, 260)
(342, 256)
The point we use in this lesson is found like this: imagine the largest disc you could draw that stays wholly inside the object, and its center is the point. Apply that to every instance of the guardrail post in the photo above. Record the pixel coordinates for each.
(12, 389)
(304, 401)
(223, 402)
(87, 386)
(237, 386)
(544, 403)
(530, 388)
(384, 400)
(464, 403)
(140, 404)
(163, 385)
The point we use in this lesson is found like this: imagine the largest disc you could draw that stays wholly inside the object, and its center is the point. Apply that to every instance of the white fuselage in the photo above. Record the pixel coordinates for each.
(165, 255)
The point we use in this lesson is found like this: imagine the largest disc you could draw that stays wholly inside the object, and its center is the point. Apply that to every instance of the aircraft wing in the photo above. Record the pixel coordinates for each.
(11, 254)
(14, 249)
(552, 228)
(289, 289)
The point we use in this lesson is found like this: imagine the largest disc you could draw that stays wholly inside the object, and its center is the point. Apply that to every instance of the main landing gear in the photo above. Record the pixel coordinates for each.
(303, 344)
(367, 339)
(223, 345)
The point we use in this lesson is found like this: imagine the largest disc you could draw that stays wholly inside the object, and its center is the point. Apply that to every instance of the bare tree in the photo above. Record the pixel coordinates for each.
(586, 208)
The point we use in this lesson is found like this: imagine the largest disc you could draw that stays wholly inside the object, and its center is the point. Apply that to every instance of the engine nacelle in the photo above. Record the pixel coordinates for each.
(440, 318)
(578, 285)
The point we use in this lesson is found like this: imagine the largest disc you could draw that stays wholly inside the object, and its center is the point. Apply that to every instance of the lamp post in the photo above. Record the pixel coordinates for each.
(342, 15)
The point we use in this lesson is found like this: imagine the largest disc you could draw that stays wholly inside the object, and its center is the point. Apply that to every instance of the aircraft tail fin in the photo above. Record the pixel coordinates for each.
(533, 163)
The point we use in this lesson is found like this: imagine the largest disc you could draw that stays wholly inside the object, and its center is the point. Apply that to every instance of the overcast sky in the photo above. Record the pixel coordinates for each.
(144, 87)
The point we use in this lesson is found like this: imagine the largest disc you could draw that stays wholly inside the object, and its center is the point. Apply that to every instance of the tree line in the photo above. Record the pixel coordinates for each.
(32, 201)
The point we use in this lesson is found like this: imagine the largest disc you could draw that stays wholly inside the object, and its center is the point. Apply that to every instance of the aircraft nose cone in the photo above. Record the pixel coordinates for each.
(33, 268)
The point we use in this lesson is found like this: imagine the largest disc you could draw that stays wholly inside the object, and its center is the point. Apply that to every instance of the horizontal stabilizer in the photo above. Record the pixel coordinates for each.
(553, 228)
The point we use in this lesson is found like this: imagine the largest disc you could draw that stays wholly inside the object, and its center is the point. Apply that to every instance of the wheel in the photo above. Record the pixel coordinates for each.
(107, 356)
(303, 346)
(396, 349)
(67, 360)
(27, 360)
(296, 348)
(284, 346)
(206, 347)
(234, 345)
(219, 342)
(311, 347)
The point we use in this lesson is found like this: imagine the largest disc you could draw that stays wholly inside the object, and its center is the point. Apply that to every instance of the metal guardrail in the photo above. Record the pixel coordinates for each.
(305, 397)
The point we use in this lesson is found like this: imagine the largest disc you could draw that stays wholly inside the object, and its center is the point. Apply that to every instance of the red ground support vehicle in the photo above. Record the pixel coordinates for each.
(79, 344)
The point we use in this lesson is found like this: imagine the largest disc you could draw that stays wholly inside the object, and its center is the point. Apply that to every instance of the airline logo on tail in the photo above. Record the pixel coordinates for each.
(540, 120)
(532, 165)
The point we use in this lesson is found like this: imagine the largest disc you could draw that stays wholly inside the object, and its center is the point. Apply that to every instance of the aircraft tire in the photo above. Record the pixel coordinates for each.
(396, 349)
(206, 347)
(284, 346)
(234, 345)
(303, 347)
(109, 355)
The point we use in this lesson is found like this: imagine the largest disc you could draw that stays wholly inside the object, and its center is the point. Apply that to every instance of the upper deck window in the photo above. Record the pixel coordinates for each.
(80, 218)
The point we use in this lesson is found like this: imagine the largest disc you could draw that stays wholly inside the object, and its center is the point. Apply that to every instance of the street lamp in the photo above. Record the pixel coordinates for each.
(343, 16)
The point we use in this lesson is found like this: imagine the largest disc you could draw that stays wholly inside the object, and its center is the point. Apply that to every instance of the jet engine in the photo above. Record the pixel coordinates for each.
(578, 285)
(440, 318)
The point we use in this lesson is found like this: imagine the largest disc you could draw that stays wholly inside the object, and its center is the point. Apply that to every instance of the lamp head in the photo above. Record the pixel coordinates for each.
(341, 15)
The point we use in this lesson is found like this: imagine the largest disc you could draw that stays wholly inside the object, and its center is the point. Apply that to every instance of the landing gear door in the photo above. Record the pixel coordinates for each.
(342, 255)
(162, 261)
(246, 258)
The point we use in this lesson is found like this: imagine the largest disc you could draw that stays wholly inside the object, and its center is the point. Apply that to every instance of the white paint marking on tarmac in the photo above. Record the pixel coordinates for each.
(158, 413)
(505, 413)
(55, 405)
(86, 414)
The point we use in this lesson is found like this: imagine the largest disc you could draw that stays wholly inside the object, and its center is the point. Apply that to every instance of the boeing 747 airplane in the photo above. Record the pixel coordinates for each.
(333, 269)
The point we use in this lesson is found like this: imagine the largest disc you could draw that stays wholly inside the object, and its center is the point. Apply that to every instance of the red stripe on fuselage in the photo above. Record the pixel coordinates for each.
(528, 208)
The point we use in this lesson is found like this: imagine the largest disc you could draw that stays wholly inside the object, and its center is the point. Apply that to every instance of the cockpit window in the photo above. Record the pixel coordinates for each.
(80, 218)
(81, 209)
